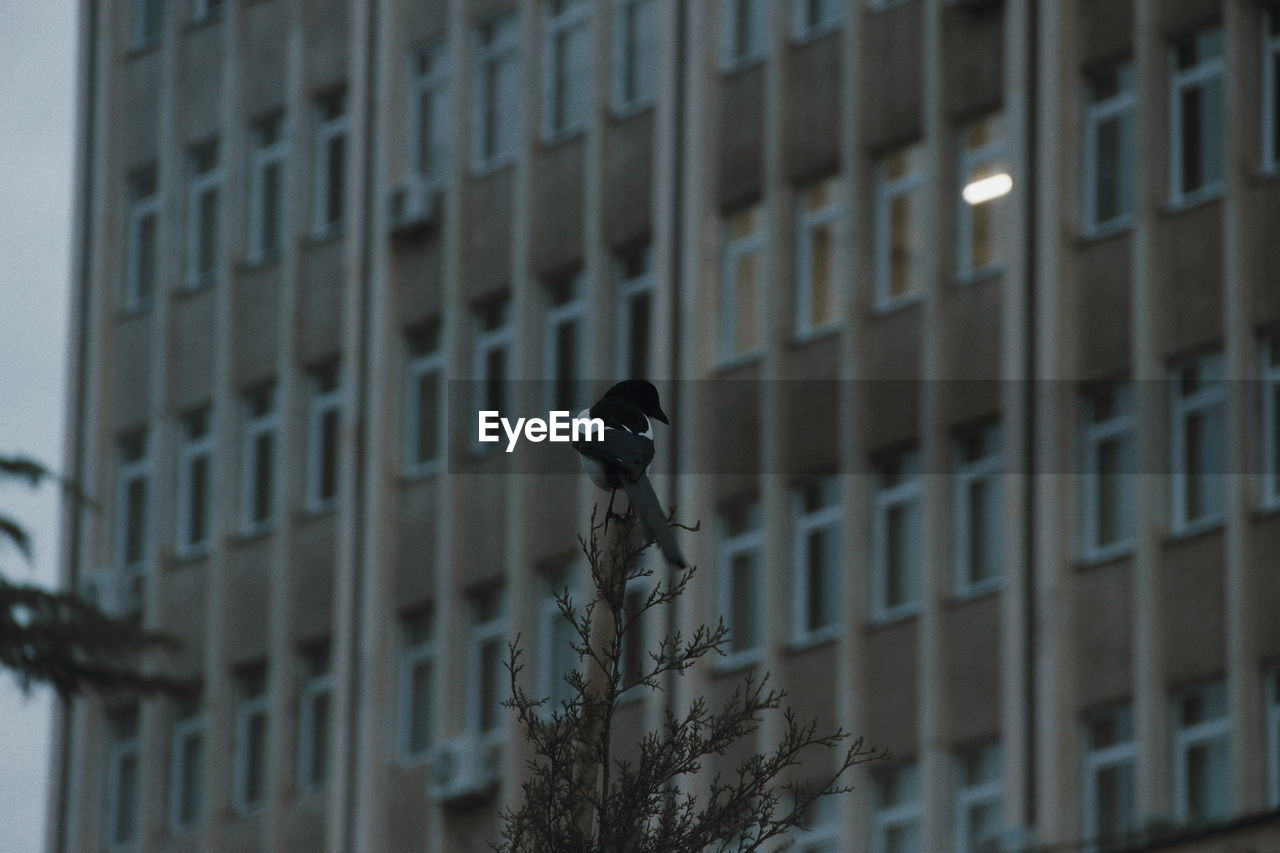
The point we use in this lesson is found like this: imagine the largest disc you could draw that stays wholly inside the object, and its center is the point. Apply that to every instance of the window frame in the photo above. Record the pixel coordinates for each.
(502, 48)
(1120, 428)
(481, 632)
(263, 157)
(329, 129)
(632, 289)
(315, 685)
(987, 468)
(802, 31)
(129, 470)
(320, 404)
(1121, 106)
(433, 83)
(1270, 63)
(427, 363)
(967, 797)
(424, 652)
(887, 190)
(628, 53)
(191, 451)
(142, 208)
(805, 523)
(558, 31)
(907, 493)
(1186, 738)
(255, 427)
(823, 830)
(119, 750)
(206, 11)
(1094, 761)
(488, 341)
(550, 676)
(995, 152)
(749, 542)
(1203, 72)
(1181, 407)
(187, 728)
(1271, 715)
(757, 36)
(1269, 374)
(885, 818)
(733, 250)
(571, 312)
(144, 36)
(199, 185)
(249, 707)
(808, 224)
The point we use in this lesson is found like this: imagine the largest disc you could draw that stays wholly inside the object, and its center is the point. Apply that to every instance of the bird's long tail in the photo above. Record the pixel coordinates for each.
(644, 502)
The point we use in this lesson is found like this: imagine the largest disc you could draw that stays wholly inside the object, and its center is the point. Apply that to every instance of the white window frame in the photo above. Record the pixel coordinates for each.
(550, 676)
(1270, 121)
(570, 313)
(489, 341)
(257, 427)
(801, 31)
(1095, 761)
(1120, 428)
(432, 83)
(504, 47)
(184, 730)
(823, 830)
(1120, 106)
(734, 250)
(202, 184)
(314, 688)
(141, 209)
(808, 223)
(129, 471)
(757, 48)
(1200, 734)
(887, 818)
(887, 190)
(319, 404)
(262, 159)
(190, 452)
(967, 797)
(492, 630)
(1181, 408)
(908, 491)
(629, 54)
(249, 708)
(418, 367)
(574, 21)
(631, 290)
(412, 656)
(120, 750)
(1269, 372)
(748, 542)
(991, 152)
(328, 130)
(1203, 72)
(1272, 721)
(826, 519)
(987, 468)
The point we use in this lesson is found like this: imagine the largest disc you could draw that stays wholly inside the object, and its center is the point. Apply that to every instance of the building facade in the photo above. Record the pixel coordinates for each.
(995, 483)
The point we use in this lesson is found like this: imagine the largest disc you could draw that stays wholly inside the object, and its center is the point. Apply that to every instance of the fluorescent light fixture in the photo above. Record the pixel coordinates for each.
(988, 189)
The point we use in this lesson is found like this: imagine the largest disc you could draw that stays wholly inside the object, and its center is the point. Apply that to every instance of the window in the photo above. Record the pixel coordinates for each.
(984, 177)
(1108, 471)
(566, 67)
(323, 423)
(979, 514)
(1271, 91)
(1196, 70)
(1201, 781)
(195, 481)
(497, 100)
(1271, 422)
(811, 18)
(895, 536)
(556, 639)
(1272, 722)
(315, 701)
(258, 458)
(493, 344)
(485, 666)
(131, 502)
(417, 684)
(816, 561)
(743, 32)
(144, 222)
(206, 10)
(741, 287)
(635, 312)
(635, 53)
(250, 737)
(978, 800)
(186, 767)
(636, 663)
(818, 830)
(202, 214)
(563, 341)
(429, 119)
(266, 188)
(148, 22)
(1108, 149)
(818, 208)
(123, 771)
(331, 161)
(895, 824)
(424, 396)
(740, 547)
(1110, 792)
(899, 226)
(1198, 443)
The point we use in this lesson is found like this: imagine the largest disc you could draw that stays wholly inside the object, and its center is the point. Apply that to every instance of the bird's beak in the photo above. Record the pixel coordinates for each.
(662, 416)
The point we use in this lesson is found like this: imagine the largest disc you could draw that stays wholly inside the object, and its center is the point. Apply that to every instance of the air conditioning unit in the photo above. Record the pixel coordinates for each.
(116, 592)
(463, 768)
(413, 207)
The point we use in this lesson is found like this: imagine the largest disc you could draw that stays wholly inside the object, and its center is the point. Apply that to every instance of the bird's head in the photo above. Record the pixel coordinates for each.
(641, 394)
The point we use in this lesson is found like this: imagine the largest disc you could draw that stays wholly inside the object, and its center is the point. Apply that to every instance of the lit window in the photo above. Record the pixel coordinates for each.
(899, 226)
(331, 162)
(186, 763)
(1108, 469)
(556, 639)
(895, 824)
(424, 401)
(206, 10)
(566, 67)
(144, 222)
(635, 312)
(148, 22)
(195, 481)
(743, 31)
(324, 418)
(250, 737)
(1198, 443)
(741, 288)
(895, 536)
(812, 18)
(258, 458)
(818, 830)
(1271, 91)
(978, 800)
(497, 101)
(124, 769)
(315, 712)
(1201, 781)
(635, 53)
(816, 561)
(739, 585)
(985, 181)
(1108, 149)
(132, 502)
(486, 661)
(1272, 723)
(818, 209)
(266, 188)
(417, 684)
(493, 345)
(1196, 71)
(562, 341)
(429, 120)
(1271, 421)
(1110, 793)
(979, 514)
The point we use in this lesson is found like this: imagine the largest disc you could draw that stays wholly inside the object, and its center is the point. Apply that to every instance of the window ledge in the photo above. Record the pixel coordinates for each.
(814, 640)
(1103, 233)
(268, 260)
(197, 24)
(816, 33)
(134, 312)
(188, 289)
(732, 663)
(485, 168)
(733, 362)
(140, 49)
(978, 276)
(187, 557)
(897, 304)
(817, 333)
(318, 511)
(1200, 198)
(557, 138)
(253, 534)
(1194, 530)
(1105, 556)
(420, 474)
(622, 112)
(735, 66)
(975, 593)
(877, 621)
(331, 234)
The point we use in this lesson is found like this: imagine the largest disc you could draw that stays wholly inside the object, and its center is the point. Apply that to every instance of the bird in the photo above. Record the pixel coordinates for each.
(620, 459)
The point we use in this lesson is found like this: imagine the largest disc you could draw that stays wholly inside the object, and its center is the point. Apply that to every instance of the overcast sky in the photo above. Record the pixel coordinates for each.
(37, 94)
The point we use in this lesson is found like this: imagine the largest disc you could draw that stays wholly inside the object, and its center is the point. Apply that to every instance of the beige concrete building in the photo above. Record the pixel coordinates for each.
(1040, 566)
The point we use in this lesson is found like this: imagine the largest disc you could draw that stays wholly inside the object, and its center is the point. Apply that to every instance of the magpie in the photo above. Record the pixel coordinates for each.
(621, 459)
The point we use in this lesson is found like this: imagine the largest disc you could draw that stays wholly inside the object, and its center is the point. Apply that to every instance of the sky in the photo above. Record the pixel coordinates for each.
(37, 101)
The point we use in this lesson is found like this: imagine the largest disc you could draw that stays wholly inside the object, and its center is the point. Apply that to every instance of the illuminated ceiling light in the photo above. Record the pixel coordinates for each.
(988, 189)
